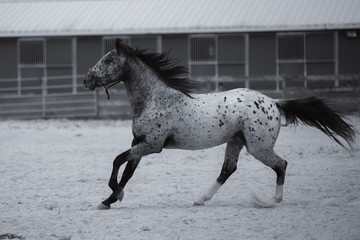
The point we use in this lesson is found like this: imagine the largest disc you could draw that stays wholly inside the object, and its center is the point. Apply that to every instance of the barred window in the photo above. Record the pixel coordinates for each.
(310, 53)
(291, 47)
(32, 52)
(217, 55)
(203, 49)
(110, 42)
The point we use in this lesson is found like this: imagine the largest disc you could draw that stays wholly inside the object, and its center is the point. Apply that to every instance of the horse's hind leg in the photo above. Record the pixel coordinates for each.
(232, 151)
(270, 159)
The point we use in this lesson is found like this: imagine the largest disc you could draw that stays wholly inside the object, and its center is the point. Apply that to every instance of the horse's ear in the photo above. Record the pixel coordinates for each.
(118, 45)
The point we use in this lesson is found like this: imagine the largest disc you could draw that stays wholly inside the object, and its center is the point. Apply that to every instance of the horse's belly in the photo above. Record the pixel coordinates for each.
(193, 143)
(202, 136)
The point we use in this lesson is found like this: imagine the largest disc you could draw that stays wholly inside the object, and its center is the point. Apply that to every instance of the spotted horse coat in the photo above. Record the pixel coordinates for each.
(167, 115)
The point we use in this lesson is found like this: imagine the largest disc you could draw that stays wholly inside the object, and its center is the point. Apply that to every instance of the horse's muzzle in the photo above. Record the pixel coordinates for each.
(89, 82)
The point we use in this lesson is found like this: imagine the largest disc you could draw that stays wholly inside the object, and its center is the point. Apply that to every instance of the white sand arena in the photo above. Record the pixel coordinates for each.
(54, 173)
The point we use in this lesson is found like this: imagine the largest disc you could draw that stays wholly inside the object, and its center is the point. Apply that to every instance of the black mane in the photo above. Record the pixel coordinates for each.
(176, 77)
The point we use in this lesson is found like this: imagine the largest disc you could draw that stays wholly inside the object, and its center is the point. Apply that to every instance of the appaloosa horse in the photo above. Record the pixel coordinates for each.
(167, 115)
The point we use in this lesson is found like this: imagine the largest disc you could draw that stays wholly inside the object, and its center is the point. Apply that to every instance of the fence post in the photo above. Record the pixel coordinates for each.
(74, 65)
(283, 85)
(247, 82)
(336, 83)
(96, 102)
(43, 96)
(283, 82)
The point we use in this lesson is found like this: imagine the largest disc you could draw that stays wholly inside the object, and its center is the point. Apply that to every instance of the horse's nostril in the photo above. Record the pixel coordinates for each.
(84, 82)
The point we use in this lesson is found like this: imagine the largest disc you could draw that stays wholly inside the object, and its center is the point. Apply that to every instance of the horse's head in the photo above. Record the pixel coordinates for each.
(109, 70)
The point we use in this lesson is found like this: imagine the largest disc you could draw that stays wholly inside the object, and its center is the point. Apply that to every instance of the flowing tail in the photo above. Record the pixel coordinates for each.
(314, 112)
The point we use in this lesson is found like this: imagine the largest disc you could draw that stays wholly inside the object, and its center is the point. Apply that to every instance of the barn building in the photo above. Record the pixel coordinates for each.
(47, 46)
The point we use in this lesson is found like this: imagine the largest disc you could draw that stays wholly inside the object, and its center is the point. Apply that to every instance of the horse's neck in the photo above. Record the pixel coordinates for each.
(144, 87)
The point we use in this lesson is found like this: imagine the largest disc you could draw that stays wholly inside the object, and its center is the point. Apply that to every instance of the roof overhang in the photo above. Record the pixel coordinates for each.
(141, 17)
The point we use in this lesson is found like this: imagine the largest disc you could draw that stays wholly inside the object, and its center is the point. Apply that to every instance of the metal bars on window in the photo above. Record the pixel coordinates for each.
(307, 49)
(31, 66)
(203, 49)
(291, 48)
(203, 57)
(150, 43)
(31, 52)
(109, 43)
(42, 60)
(216, 56)
(307, 53)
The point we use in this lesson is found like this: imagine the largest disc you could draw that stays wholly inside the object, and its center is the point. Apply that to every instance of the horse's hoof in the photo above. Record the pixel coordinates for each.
(120, 196)
(103, 207)
(196, 203)
(277, 199)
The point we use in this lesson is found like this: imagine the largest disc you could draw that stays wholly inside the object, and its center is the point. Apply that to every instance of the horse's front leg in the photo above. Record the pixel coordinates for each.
(132, 157)
(118, 192)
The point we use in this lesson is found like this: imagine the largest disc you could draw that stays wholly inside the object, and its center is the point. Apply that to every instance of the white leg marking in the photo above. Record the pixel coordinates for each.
(209, 194)
(278, 193)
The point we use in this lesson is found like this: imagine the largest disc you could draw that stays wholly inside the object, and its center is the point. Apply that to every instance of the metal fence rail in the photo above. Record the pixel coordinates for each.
(74, 101)
(34, 100)
(283, 83)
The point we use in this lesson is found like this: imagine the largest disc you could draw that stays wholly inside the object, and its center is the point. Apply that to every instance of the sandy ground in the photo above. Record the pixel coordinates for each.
(54, 173)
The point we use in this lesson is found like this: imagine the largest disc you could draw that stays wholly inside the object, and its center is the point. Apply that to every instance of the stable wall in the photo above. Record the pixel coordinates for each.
(8, 57)
(349, 53)
(238, 55)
